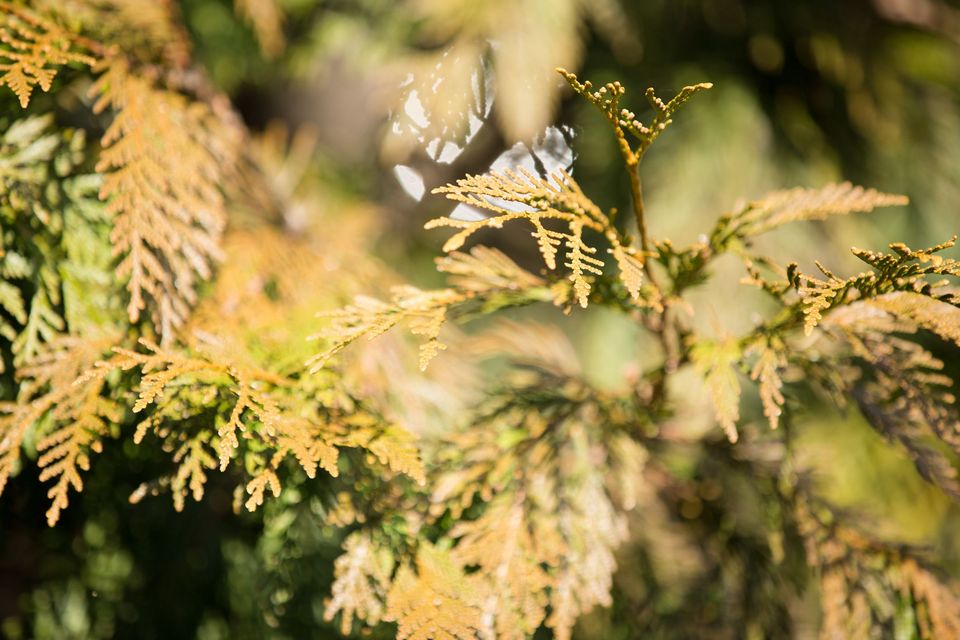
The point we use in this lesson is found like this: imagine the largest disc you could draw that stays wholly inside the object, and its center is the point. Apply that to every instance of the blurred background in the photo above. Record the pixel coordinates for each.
(402, 96)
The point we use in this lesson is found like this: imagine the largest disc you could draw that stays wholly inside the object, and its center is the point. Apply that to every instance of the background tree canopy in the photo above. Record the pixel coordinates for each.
(566, 425)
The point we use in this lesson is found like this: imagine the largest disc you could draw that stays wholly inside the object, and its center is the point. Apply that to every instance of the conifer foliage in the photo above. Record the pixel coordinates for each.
(143, 298)
(534, 485)
(145, 212)
(34, 49)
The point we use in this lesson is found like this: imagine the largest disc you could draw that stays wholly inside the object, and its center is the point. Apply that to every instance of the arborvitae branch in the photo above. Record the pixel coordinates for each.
(33, 48)
(538, 201)
(165, 162)
(484, 277)
(624, 121)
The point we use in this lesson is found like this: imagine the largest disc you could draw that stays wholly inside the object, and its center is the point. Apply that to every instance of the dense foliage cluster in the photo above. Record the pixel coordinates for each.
(160, 287)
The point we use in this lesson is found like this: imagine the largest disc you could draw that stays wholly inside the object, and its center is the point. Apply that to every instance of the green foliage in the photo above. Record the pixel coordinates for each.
(55, 271)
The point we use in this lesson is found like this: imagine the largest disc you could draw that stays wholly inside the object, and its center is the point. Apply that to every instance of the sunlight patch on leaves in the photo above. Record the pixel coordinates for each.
(164, 160)
(483, 276)
(32, 50)
(799, 204)
(520, 195)
(361, 581)
(435, 602)
(717, 362)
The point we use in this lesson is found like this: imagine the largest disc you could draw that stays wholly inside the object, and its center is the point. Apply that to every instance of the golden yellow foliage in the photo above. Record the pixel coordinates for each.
(552, 507)
(936, 600)
(426, 311)
(67, 396)
(607, 100)
(165, 161)
(522, 196)
(77, 416)
(266, 18)
(501, 544)
(257, 413)
(144, 31)
(280, 263)
(437, 602)
(716, 361)
(934, 315)
(208, 402)
(515, 524)
(391, 445)
(33, 48)
(361, 581)
(482, 274)
(484, 268)
(905, 269)
(534, 491)
(767, 371)
(794, 205)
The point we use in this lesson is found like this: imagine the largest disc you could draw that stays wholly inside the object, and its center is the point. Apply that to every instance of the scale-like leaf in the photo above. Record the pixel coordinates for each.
(794, 205)
(437, 602)
(165, 160)
(32, 50)
(717, 362)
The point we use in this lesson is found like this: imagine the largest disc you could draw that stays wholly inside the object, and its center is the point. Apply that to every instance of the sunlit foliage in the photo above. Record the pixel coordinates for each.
(163, 288)
(547, 529)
